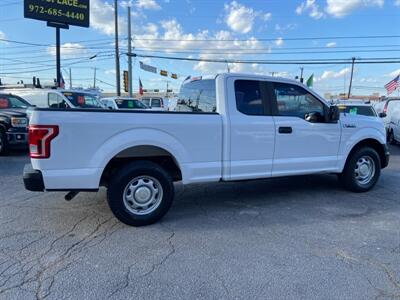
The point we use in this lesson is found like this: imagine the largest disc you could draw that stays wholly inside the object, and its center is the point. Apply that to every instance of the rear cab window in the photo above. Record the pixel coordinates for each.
(197, 96)
(249, 97)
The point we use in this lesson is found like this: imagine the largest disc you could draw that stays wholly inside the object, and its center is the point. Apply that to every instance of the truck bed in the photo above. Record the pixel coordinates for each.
(89, 139)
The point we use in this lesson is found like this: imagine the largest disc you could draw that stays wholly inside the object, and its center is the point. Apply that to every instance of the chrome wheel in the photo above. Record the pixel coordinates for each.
(143, 195)
(365, 170)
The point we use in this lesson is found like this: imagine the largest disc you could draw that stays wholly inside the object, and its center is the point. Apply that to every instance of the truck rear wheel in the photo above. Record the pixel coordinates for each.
(361, 171)
(140, 193)
(391, 139)
(3, 143)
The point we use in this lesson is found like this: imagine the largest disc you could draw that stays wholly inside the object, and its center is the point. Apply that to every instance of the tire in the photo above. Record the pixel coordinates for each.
(3, 143)
(362, 180)
(391, 139)
(140, 193)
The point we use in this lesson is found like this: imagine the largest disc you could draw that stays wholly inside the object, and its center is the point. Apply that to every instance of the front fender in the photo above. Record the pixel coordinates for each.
(351, 139)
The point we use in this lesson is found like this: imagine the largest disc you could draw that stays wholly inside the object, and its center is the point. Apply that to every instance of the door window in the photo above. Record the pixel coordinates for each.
(295, 101)
(248, 97)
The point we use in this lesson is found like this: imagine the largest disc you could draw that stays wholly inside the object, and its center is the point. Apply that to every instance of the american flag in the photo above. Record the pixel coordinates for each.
(140, 87)
(392, 85)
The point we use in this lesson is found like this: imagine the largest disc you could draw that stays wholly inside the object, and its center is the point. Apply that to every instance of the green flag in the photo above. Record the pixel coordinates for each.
(310, 81)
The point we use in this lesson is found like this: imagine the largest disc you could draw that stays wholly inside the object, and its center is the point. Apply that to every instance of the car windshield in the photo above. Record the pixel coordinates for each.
(8, 101)
(363, 110)
(82, 100)
(130, 104)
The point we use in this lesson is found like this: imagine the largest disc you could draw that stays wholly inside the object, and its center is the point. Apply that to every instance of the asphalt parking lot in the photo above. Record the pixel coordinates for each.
(288, 238)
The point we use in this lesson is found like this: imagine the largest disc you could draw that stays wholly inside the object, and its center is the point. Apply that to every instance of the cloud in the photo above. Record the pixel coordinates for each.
(279, 42)
(394, 73)
(331, 45)
(397, 2)
(2, 35)
(341, 8)
(310, 7)
(68, 49)
(331, 74)
(147, 4)
(240, 18)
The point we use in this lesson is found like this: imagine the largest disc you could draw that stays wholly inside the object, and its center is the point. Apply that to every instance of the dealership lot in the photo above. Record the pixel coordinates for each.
(302, 237)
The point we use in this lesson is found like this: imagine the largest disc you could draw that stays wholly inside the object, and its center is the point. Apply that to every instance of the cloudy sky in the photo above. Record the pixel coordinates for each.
(211, 29)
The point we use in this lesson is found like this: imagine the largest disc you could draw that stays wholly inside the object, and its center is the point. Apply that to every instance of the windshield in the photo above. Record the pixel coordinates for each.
(82, 100)
(130, 104)
(8, 101)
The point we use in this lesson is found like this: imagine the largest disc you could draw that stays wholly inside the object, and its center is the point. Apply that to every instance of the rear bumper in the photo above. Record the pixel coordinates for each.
(385, 161)
(33, 179)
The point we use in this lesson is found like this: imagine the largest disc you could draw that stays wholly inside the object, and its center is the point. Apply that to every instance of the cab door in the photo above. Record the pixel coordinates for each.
(305, 140)
(251, 129)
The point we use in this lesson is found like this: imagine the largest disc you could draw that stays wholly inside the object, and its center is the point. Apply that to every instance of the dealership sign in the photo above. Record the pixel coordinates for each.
(69, 12)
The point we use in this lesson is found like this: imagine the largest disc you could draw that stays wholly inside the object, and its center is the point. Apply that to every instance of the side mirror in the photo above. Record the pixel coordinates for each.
(334, 114)
(313, 117)
(382, 115)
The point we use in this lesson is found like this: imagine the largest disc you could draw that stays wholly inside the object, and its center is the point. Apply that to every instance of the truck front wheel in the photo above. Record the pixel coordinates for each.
(3, 143)
(361, 171)
(140, 193)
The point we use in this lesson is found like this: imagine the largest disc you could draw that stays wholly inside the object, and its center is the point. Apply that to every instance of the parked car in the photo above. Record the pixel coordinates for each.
(356, 107)
(240, 127)
(385, 109)
(155, 103)
(394, 126)
(57, 98)
(123, 103)
(13, 122)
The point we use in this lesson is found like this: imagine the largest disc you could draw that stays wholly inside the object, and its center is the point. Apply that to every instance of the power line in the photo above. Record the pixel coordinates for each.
(271, 39)
(283, 62)
(257, 52)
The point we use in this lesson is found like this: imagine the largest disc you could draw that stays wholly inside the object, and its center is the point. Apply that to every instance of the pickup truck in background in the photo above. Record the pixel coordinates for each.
(234, 127)
(13, 123)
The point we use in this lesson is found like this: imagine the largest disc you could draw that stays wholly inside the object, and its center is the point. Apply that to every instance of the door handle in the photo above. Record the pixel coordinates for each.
(285, 130)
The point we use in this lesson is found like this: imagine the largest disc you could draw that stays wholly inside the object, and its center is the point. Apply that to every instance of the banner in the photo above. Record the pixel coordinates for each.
(148, 68)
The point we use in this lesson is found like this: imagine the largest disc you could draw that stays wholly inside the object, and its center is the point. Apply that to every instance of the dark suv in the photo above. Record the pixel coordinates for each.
(13, 122)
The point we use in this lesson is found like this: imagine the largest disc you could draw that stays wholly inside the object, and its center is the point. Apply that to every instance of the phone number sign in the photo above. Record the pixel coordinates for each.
(71, 12)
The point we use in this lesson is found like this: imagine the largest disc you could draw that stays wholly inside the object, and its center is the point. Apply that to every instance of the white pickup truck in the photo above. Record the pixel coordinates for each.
(232, 127)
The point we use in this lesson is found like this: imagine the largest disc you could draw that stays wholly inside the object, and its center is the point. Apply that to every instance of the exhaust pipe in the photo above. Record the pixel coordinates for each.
(71, 195)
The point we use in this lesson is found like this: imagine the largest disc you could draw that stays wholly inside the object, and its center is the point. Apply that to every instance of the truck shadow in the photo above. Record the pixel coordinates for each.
(289, 200)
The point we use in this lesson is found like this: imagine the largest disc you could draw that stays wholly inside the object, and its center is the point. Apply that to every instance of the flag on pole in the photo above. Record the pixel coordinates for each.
(392, 85)
(140, 87)
(310, 81)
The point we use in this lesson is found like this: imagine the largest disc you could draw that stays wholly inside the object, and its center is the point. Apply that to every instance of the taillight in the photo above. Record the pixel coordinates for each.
(40, 137)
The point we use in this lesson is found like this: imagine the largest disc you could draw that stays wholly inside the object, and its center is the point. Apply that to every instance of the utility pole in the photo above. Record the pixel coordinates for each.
(301, 74)
(94, 78)
(58, 57)
(117, 70)
(70, 79)
(130, 90)
(351, 76)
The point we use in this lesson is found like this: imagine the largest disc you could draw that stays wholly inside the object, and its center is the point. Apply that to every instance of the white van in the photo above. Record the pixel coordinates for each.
(52, 98)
